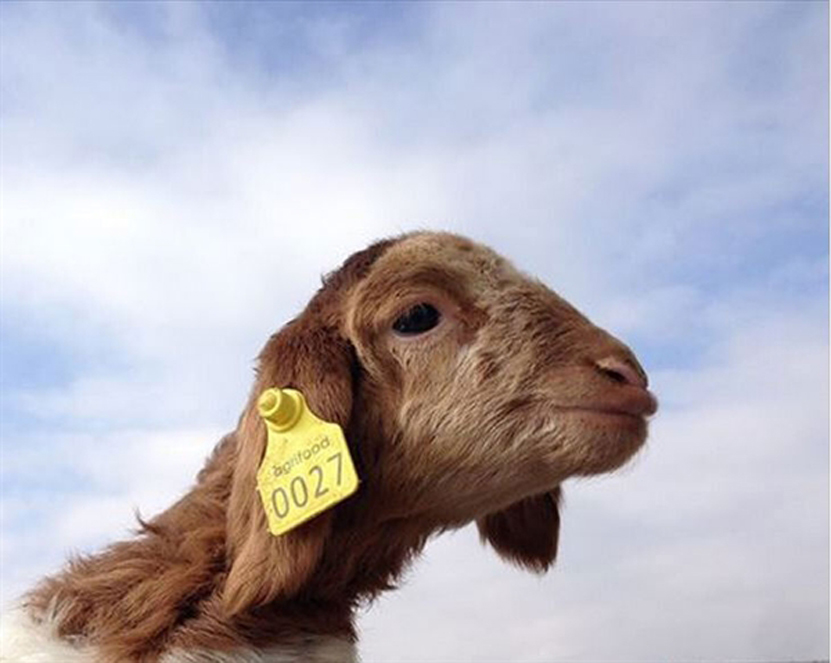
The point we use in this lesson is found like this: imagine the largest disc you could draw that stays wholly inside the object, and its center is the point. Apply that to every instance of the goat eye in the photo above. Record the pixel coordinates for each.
(419, 319)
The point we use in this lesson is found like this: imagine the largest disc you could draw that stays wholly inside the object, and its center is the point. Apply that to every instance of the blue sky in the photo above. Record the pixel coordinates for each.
(176, 177)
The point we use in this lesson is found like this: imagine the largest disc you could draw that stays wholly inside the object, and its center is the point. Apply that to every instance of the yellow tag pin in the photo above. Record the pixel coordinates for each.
(306, 468)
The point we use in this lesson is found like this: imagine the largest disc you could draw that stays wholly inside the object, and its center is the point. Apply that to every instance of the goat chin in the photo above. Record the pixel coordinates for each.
(442, 364)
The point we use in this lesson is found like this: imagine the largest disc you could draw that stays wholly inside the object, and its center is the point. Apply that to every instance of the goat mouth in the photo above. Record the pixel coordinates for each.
(607, 412)
(633, 403)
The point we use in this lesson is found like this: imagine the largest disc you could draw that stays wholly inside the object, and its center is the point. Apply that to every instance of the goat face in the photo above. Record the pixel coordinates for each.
(489, 387)
(467, 390)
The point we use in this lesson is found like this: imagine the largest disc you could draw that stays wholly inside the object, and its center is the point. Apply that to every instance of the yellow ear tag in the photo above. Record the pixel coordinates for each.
(306, 468)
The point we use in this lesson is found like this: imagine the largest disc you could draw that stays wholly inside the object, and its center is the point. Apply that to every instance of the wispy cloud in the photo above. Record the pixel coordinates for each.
(177, 176)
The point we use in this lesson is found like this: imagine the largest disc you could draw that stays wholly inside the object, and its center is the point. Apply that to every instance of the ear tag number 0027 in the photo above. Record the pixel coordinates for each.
(306, 468)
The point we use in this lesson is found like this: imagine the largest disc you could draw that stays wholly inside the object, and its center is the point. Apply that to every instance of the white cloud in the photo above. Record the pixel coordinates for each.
(83, 491)
(177, 202)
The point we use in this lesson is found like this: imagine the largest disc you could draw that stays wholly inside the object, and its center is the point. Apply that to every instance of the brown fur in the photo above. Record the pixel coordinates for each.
(480, 419)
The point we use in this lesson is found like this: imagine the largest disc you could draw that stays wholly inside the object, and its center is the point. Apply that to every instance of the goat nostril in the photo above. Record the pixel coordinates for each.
(621, 371)
(617, 377)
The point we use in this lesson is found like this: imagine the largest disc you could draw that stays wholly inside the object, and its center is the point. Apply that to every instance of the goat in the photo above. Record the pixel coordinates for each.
(467, 392)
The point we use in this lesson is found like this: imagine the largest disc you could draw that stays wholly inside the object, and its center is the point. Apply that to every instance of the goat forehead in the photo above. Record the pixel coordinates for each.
(479, 267)
(487, 278)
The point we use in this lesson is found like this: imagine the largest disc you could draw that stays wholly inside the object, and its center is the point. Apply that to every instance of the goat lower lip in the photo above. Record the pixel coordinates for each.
(635, 402)
(607, 411)
(612, 413)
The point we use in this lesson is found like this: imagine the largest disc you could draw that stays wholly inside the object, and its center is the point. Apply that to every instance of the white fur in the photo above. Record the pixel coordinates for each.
(24, 641)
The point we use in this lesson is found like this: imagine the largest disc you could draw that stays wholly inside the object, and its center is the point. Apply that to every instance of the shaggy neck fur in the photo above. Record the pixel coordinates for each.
(163, 591)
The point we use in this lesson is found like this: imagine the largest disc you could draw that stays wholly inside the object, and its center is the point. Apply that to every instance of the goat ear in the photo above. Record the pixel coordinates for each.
(526, 533)
(315, 359)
